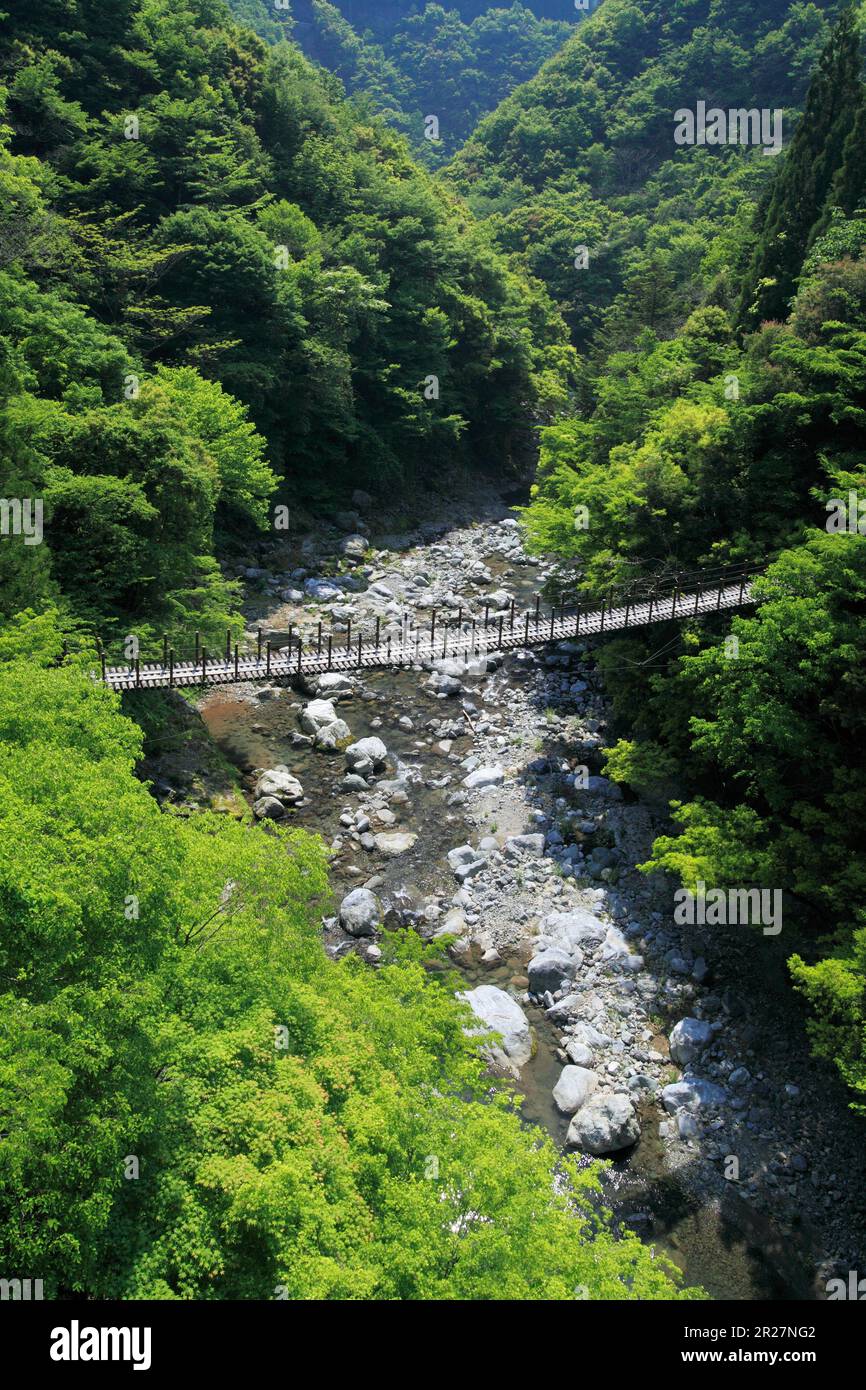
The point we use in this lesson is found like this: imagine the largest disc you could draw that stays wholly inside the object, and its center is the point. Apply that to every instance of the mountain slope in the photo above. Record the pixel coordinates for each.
(205, 212)
(584, 153)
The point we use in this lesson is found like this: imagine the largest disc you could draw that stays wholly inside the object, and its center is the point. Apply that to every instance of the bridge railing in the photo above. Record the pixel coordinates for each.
(452, 633)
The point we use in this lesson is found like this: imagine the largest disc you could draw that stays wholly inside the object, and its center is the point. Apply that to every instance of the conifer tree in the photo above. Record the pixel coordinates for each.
(792, 213)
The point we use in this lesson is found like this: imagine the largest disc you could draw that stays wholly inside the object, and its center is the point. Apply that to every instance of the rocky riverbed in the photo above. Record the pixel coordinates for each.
(468, 801)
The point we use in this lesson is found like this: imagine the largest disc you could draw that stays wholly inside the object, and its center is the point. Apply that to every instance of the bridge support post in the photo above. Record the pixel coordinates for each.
(267, 658)
(698, 599)
(259, 651)
(348, 634)
(204, 664)
(650, 614)
(486, 614)
(101, 650)
(552, 621)
(197, 647)
(236, 662)
(742, 588)
(165, 649)
(602, 615)
(170, 667)
(360, 639)
(577, 621)
(228, 645)
(138, 671)
(627, 610)
(378, 622)
(300, 654)
(719, 597)
(319, 642)
(330, 645)
(526, 633)
(500, 630)
(512, 615)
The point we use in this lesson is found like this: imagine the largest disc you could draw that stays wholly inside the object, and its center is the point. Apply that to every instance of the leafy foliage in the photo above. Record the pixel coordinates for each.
(198, 1102)
(699, 449)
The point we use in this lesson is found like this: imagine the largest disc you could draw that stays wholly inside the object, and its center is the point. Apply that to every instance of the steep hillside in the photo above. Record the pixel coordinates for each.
(585, 154)
(413, 61)
(703, 447)
(226, 241)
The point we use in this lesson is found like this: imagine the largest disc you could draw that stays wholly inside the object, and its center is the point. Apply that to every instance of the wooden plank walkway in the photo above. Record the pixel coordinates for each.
(505, 633)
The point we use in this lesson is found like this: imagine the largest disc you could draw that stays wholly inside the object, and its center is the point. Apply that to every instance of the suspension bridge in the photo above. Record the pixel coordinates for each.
(448, 634)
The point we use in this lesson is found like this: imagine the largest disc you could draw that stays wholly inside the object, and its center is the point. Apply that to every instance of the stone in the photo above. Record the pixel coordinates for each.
(578, 1053)
(573, 1089)
(524, 844)
(333, 684)
(605, 1124)
(268, 808)
(397, 842)
(485, 777)
(333, 737)
(354, 547)
(692, 1093)
(688, 1039)
(571, 930)
(321, 591)
(687, 1125)
(318, 714)
(549, 970)
(279, 782)
(463, 854)
(501, 1014)
(367, 751)
(360, 912)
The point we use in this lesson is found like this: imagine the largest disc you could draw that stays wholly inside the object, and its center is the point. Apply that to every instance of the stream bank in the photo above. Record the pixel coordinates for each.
(487, 766)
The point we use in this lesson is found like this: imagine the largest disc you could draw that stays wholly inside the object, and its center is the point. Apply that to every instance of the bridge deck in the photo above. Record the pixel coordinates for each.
(526, 631)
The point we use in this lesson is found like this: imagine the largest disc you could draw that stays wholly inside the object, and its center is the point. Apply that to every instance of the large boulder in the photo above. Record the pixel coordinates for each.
(549, 970)
(268, 808)
(485, 777)
(333, 737)
(321, 591)
(360, 912)
(692, 1093)
(604, 1125)
(516, 845)
(397, 842)
(278, 782)
(354, 547)
(501, 1014)
(574, 1088)
(688, 1039)
(572, 930)
(331, 685)
(465, 862)
(369, 753)
(318, 714)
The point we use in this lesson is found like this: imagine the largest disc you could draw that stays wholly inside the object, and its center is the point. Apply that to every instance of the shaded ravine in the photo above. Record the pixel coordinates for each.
(717, 1238)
